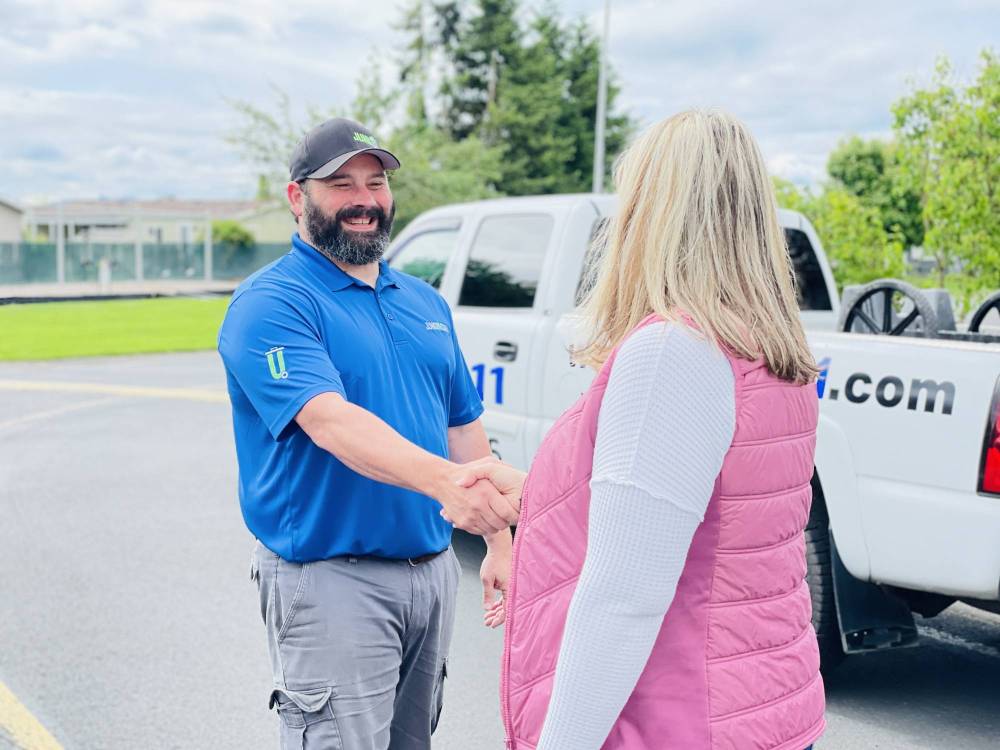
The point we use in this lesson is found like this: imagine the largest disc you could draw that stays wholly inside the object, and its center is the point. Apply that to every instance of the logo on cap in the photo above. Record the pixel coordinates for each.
(362, 138)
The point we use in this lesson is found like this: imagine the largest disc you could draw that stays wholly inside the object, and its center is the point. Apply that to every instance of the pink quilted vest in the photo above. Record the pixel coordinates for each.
(736, 664)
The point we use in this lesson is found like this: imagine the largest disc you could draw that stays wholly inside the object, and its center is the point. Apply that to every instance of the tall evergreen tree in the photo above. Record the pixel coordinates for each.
(530, 117)
(530, 90)
(482, 45)
(514, 115)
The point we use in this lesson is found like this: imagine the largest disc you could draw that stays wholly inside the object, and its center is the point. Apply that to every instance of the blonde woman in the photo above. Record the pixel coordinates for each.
(658, 596)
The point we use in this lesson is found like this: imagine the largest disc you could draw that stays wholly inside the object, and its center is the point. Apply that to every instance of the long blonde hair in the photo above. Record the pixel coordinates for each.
(697, 232)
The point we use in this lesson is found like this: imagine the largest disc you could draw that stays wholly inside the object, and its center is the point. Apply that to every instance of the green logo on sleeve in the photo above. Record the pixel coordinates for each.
(276, 363)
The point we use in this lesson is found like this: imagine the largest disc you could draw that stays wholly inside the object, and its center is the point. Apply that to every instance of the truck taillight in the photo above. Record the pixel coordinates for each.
(989, 473)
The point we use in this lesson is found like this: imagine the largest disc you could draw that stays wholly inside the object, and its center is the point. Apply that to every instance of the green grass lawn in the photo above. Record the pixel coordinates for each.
(54, 330)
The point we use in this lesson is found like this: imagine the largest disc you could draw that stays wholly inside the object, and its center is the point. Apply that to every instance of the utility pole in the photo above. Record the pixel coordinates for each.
(602, 104)
(492, 75)
(422, 75)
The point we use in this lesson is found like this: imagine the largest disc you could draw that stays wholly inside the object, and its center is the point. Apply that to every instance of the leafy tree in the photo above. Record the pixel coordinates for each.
(266, 137)
(373, 103)
(949, 151)
(857, 244)
(791, 196)
(870, 171)
(437, 171)
(935, 185)
(232, 233)
(234, 246)
(860, 166)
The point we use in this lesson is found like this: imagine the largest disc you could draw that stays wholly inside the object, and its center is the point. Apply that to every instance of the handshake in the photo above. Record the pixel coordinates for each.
(481, 497)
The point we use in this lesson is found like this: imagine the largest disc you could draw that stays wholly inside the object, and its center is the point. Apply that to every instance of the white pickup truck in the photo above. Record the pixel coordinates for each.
(907, 476)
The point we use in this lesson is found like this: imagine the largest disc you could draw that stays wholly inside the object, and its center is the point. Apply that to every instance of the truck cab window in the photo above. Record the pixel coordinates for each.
(426, 255)
(810, 286)
(505, 262)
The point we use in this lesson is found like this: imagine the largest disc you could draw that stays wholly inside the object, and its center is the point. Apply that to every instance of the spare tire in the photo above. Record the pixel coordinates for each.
(991, 303)
(888, 307)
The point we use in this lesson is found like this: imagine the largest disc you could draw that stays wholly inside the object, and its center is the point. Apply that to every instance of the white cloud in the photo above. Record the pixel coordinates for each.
(126, 97)
(802, 75)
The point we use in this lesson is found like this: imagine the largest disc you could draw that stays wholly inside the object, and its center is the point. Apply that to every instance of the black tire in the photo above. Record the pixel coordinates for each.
(819, 575)
(854, 317)
(990, 303)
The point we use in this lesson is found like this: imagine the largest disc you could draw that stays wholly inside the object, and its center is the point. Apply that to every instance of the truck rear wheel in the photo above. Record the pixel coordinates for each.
(820, 579)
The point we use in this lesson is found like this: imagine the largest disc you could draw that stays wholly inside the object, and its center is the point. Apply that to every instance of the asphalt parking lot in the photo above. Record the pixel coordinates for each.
(127, 618)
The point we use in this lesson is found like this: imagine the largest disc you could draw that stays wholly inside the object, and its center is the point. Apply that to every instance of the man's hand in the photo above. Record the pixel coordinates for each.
(495, 575)
(508, 480)
(476, 507)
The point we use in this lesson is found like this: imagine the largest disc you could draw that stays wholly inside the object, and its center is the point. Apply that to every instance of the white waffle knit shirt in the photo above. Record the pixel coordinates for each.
(665, 425)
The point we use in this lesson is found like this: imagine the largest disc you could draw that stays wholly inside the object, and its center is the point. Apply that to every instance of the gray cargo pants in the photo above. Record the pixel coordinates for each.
(359, 648)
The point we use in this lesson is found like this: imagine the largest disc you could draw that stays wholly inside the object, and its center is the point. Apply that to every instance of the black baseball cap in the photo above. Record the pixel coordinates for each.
(330, 145)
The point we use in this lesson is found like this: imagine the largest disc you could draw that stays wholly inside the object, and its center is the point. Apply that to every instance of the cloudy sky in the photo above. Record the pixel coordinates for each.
(126, 98)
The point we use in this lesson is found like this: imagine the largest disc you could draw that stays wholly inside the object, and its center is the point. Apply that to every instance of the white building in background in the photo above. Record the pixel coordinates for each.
(10, 222)
(153, 222)
(130, 226)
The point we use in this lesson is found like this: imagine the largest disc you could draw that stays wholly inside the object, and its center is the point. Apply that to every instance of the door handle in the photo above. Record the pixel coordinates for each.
(505, 351)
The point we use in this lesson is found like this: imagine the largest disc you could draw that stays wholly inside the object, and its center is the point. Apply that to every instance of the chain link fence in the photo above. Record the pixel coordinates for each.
(35, 263)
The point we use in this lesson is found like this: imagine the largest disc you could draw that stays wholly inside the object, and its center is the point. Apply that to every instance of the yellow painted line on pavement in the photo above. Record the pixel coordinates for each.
(21, 726)
(48, 414)
(182, 394)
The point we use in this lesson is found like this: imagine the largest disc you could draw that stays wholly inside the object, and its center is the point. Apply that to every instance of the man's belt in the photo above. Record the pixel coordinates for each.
(411, 560)
(424, 558)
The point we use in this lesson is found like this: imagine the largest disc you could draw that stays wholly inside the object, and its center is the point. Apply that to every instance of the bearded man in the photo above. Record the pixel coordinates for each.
(353, 410)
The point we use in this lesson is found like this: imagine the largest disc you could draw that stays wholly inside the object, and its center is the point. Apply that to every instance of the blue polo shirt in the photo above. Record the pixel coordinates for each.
(300, 327)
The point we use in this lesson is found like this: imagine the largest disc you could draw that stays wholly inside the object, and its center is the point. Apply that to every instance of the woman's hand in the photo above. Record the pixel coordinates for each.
(495, 571)
(508, 480)
(495, 575)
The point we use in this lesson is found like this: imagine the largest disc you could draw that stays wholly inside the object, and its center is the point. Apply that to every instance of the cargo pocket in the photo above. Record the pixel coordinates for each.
(307, 720)
(439, 694)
